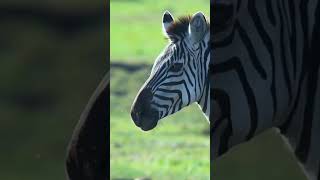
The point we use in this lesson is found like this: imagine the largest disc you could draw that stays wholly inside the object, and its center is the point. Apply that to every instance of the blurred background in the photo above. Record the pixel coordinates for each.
(178, 148)
(52, 57)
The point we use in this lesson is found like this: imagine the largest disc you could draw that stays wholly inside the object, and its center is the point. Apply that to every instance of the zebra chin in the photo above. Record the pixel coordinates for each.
(146, 120)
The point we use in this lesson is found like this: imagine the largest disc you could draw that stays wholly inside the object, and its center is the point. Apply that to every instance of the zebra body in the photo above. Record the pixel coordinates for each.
(266, 74)
(179, 75)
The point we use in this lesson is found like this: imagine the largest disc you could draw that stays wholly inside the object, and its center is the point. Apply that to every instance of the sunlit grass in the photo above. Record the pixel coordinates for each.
(171, 150)
(136, 29)
(176, 149)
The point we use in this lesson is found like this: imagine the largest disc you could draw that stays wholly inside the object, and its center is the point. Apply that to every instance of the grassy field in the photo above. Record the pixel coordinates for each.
(177, 148)
(136, 29)
(265, 157)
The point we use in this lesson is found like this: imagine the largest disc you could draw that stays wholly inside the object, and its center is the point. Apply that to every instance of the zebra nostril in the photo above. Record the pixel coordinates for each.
(135, 118)
(141, 106)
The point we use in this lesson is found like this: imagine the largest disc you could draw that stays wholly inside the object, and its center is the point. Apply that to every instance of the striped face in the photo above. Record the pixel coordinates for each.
(179, 74)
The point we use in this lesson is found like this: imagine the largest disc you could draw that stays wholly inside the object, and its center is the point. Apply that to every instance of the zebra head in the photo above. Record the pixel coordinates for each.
(179, 75)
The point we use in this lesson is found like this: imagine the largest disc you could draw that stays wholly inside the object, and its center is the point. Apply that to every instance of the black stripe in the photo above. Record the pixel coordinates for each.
(181, 49)
(174, 75)
(286, 16)
(188, 76)
(206, 92)
(251, 50)
(158, 77)
(180, 105)
(164, 98)
(173, 83)
(270, 13)
(238, 5)
(216, 124)
(305, 138)
(211, 107)
(283, 55)
(312, 66)
(223, 99)
(177, 107)
(190, 60)
(234, 64)
(200, 70)
(171, 91)
(188, 93)
(285, 126)
(293, 39)
(224, 140)
(160, 105)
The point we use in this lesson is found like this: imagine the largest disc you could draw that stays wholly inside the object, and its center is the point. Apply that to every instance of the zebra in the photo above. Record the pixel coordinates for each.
(179, 75)
(266, 75)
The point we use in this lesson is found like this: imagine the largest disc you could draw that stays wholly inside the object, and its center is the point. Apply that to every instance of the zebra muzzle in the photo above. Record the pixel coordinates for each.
(146, 121)
(142, 114)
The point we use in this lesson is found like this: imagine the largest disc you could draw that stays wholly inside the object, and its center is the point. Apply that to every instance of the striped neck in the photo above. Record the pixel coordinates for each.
(204, 101)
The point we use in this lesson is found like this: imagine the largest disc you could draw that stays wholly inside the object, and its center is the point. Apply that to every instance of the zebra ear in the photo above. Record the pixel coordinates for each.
(167, 20)
(198, 27)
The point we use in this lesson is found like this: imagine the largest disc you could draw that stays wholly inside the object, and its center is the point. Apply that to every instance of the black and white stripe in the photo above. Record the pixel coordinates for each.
(265, 74)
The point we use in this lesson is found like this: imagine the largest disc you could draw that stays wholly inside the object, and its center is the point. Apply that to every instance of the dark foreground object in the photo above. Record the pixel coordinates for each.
(87, 151)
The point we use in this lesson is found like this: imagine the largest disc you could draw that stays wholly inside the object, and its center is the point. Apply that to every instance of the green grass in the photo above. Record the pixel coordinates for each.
(176, 149)
(136, 29)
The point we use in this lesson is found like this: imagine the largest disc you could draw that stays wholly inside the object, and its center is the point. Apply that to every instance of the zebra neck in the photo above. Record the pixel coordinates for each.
(311, 164)
(204, 101)
(302, 127)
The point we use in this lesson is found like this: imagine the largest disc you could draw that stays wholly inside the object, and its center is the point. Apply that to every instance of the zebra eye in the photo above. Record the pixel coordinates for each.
(176, 67)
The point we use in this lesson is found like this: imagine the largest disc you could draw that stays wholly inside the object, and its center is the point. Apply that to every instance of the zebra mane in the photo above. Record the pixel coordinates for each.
(180, 26)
